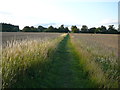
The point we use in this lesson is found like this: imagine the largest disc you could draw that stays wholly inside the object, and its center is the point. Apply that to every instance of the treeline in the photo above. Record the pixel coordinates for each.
(9, 27)
(74, 29)
(62, 29)
(102, 29)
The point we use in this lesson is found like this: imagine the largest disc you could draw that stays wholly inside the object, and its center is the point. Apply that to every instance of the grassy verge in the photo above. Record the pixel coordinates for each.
(24, 63)
(95, 72)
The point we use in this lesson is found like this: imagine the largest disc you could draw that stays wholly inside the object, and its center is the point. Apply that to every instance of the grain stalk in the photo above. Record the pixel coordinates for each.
(26, 59)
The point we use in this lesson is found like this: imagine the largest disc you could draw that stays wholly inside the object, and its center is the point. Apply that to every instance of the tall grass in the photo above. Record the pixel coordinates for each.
(96, 71)
(24, 63)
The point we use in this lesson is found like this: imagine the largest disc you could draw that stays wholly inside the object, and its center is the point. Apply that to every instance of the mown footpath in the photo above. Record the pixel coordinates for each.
(65, 71)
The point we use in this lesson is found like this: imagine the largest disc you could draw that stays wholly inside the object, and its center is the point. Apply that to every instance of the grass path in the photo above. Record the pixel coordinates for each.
(65, 71)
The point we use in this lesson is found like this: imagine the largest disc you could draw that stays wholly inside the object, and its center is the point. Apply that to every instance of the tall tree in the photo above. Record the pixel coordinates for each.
(66, 30)
(9, 27)
(50, 29)
(33, 29)
(84, 29)
(61, 28)
(92, 30)
(41, 28)
(75, 29)
(26, 29)
(111, 29)
(103, 29)
(98, 30)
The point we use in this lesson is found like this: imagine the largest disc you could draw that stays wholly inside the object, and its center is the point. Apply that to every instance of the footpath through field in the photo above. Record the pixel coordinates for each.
(65, 71)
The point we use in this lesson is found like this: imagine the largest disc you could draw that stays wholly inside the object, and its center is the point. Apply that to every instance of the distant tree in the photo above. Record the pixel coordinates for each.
(15, 29)
(66, 30)
(92, 30)
(50, 29)
(84, 29)
(26, 29)
(9, 27)
(98, 30)
(33, 29)
(75, 29)
(112, 30)
(41, 28)
(61, 28)
(103, 29)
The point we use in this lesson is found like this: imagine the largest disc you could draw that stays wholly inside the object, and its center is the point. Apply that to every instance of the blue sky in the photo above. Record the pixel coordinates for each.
(56, 12)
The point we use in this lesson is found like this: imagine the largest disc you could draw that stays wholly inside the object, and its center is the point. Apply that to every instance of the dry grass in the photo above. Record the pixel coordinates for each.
(99, 56)
(110, 42)
(20, 36)
(27, 60)
(21, 59)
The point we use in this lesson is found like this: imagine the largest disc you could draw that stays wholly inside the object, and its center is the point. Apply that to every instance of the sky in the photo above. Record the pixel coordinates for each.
(92, 13)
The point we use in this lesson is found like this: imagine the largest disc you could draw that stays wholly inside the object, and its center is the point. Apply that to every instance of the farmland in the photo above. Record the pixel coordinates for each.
(55, 60)
(19, 36)
(101, 54)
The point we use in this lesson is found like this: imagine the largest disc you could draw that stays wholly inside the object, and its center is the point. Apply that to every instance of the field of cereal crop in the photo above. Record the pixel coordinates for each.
(101, 49)
(19, 36)
(55, 60)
